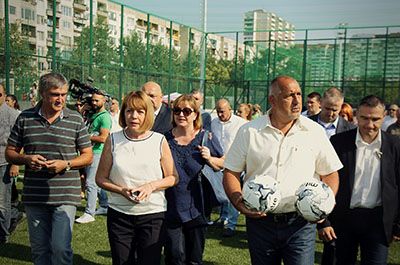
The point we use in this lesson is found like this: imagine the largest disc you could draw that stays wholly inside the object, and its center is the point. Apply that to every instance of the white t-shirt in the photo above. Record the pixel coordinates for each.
(115, 123)
(136, 162)
(226, 131)
(300, 156)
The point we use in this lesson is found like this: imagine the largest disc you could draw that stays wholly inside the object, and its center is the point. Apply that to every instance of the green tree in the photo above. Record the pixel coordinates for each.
(105, 57)
(23, 66)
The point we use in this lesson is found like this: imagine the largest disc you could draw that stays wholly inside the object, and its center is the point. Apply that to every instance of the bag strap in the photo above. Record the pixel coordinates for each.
(206, 136)
(204, 142)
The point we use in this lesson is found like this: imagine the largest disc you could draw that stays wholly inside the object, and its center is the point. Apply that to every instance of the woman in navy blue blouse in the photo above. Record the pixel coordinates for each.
(186, 225)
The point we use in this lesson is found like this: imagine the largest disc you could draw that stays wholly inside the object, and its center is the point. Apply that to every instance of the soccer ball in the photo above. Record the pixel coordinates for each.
(314, 200)
(261, 194)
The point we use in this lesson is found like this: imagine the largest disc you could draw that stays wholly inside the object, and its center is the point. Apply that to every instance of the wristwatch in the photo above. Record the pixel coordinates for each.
(68, 165)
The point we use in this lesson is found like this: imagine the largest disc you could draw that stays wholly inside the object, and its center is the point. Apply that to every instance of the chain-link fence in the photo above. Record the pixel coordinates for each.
(120, 48)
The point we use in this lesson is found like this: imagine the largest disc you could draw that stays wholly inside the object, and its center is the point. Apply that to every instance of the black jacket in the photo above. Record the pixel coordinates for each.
(345, 146)
(163, 121)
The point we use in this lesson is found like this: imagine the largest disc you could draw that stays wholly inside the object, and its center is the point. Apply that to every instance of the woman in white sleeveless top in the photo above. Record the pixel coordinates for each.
(136, 166)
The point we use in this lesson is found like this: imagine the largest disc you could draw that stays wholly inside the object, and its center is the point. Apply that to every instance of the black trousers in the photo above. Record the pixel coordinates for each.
(135, 239)
(363, 228)
(185, 243)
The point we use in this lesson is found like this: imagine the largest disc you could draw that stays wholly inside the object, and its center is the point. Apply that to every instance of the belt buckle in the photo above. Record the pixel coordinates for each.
(280, 218)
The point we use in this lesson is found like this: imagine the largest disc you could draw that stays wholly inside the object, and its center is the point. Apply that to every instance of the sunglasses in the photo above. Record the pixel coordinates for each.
(392, 110)
(1, 94)
(186, 111)
(78, 105)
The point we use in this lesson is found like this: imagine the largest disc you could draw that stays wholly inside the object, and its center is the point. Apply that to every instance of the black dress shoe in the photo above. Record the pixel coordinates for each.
(228, 232)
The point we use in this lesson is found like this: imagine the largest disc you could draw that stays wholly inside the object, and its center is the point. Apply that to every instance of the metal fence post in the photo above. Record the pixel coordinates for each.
(121, 55)
(7, 46)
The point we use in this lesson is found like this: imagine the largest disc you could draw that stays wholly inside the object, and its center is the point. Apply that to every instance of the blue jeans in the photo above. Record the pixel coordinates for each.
(92, 189)
(271, 241)
(50, 233)
(229, 214)
(5, 202)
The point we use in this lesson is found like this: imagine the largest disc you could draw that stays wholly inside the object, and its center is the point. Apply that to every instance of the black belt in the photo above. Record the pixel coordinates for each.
(281, 218)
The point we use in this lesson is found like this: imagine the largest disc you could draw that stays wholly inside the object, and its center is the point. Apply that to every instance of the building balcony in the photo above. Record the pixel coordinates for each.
(78, 29)
(32, 40)
(49, 12)
(80, 6)
(79, 20)
(49, 43)
(102, 13)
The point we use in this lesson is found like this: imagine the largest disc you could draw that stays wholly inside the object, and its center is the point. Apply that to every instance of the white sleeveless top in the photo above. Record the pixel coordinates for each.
(136, 162)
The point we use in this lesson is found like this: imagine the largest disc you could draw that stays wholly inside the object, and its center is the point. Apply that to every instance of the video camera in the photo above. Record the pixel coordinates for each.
(83, 92)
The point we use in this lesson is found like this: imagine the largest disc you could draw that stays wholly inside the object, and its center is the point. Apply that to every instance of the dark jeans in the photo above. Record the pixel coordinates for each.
(135, 239)
(184, 244)
(272, 240)
(5, 202)
(364, 229)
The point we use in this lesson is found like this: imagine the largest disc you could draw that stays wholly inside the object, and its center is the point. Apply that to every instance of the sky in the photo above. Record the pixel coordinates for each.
(227, 15)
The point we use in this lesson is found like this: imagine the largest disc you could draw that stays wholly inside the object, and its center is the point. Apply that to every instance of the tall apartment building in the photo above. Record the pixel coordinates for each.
(261, 20)
(369, 53)
(364, 55)
(35, 20)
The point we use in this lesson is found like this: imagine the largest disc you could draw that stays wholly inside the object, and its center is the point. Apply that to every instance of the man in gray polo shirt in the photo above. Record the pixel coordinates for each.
(7, 172)
(51, 136)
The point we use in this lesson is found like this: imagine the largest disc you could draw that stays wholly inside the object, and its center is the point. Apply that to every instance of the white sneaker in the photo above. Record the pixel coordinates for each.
(85, 218)
(101, 211)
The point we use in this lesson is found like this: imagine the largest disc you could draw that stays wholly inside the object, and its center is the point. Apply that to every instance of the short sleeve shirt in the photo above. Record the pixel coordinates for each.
(101, 120)
(301, 155)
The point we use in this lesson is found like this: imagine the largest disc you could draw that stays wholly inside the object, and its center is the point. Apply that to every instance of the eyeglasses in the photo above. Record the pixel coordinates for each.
(186, 111)
(78, 105)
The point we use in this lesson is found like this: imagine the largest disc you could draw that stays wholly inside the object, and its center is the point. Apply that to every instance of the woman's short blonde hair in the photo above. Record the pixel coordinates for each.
(189, 99)
(138, 100)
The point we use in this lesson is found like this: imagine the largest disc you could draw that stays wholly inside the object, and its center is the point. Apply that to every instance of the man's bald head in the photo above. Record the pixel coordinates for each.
(223, 109)
(279, 82)
(153, 90)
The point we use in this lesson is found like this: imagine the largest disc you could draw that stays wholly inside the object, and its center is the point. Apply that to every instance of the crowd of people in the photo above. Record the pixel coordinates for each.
(141, 165)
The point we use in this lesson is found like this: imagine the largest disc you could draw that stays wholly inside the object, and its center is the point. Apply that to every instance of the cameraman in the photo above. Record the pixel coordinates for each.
(99, 129)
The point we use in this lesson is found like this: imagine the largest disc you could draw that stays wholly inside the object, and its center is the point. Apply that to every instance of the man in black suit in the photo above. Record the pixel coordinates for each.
(331, 104)
(367, 211)
(163, 115)
(328, 117)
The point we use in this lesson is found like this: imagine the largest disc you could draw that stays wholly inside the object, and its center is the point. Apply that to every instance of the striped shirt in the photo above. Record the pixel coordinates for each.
(62, 140)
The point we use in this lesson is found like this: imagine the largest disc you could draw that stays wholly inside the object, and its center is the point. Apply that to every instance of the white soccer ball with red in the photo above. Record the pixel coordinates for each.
(261, 194)
(314, 200)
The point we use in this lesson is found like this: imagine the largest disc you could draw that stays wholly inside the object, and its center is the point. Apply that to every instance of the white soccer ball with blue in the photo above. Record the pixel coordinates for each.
(314, 200)
(261, 194)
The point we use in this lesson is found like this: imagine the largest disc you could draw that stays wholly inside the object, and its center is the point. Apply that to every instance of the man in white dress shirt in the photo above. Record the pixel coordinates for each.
(225, 127)
(114, 112)
(292, 149)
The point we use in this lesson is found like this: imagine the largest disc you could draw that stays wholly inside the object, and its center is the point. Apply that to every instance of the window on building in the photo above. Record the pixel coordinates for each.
(40, 35)
(27, 14)
(67, 40)
(112, 15)
(66, 11)
(66, 24)
(131, 21)
(41, 66)
(28, 30)
(12, 10)
(40, 51)
(41, 20)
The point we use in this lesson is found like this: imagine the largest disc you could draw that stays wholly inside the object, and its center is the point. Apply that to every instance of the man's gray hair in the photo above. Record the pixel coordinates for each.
(334, 94)
(51, 80)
